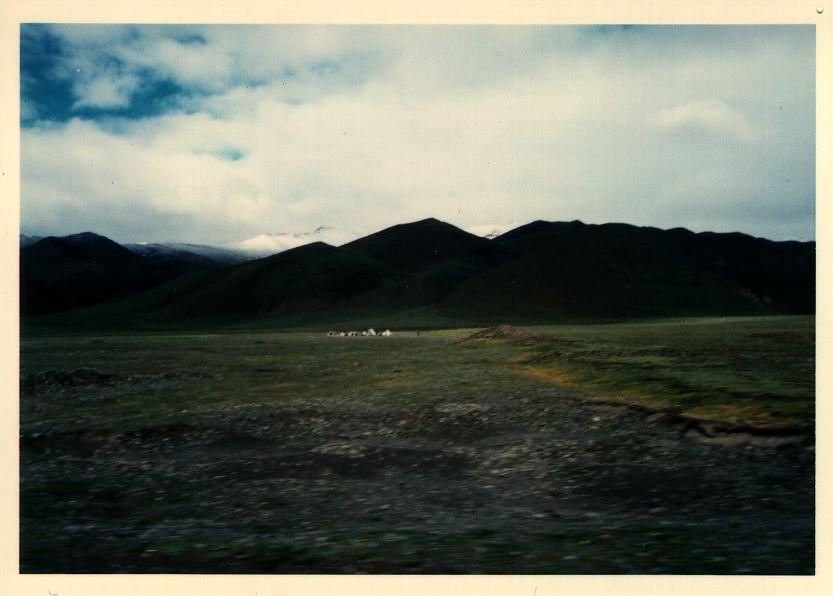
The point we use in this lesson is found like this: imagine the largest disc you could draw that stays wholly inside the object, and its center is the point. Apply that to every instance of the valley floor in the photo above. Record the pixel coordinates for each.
(483, 477)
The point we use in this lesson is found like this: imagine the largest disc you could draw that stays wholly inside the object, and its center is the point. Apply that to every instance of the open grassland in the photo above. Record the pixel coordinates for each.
(276, 452)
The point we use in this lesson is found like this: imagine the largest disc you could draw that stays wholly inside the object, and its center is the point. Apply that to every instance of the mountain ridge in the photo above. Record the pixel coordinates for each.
(431, 272)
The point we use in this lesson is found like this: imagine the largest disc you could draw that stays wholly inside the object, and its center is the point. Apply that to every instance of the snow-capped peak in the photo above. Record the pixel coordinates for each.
(268, 244)
(492, 230)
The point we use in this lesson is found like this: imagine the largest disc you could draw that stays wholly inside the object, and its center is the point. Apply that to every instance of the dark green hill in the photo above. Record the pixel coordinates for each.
(535, 235)
(430, 273)
(175, 260)
(58, 274)
(426, 244)
(617, 270)
(431, 258)
(303, 282)
(778, 275)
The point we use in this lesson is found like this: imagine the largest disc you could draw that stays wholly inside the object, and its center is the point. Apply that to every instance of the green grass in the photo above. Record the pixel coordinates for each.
(751, 371)
(758, 371)
(168, 378)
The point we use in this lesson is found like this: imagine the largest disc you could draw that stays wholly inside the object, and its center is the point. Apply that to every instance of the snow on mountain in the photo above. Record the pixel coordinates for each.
(492, 230)
(227, 253)
(269, 244)
(215, 254)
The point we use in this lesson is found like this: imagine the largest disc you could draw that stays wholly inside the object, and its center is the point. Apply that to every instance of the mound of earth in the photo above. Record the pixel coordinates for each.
(499, 332)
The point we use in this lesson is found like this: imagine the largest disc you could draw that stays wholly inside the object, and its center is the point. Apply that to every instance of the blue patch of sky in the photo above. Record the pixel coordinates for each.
(47, 89)
(48, 86)
(41, 88)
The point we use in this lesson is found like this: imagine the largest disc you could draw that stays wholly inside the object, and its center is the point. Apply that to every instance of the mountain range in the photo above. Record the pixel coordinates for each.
(420, 274)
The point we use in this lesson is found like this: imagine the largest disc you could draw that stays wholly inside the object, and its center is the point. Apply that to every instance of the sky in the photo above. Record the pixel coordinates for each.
(218, 133)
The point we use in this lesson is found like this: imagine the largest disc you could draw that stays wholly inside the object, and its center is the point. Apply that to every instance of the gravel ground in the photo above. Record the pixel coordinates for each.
(512, 482)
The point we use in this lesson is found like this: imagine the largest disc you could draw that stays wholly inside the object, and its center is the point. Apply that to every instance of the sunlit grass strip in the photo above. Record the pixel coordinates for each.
(753, 372)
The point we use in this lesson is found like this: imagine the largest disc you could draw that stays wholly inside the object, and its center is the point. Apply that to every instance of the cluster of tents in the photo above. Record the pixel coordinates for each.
(368, 333)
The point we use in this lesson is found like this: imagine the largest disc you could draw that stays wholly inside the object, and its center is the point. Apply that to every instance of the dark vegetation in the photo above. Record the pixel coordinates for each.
(427, 274)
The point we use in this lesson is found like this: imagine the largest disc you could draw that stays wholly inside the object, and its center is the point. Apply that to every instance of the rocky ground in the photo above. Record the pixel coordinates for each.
(521, 482)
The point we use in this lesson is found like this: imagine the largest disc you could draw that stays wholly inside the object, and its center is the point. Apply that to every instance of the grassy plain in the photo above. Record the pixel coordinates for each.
(292, 451)
(164, 379)
(748, 371)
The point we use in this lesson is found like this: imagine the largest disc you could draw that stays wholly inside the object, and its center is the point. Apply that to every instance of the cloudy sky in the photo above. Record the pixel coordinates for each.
(220, 133)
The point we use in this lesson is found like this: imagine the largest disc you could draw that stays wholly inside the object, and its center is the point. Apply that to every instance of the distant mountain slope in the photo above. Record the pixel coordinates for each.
(58, 274)
(615, 270)
(187, 258)
(402, 267)
(63, 273)
(308, 279)
(428, 244)
(779, 275)
(431, 256)
(535, 235)
(430, 272)
(29, 240)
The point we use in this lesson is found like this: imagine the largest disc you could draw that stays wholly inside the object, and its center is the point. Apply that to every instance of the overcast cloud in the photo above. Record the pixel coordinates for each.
(214, 133)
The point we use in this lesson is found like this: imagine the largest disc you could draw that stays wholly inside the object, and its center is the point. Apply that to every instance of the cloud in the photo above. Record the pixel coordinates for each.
(105, 90)
(109, 67)
(214, 133)
(713, 117)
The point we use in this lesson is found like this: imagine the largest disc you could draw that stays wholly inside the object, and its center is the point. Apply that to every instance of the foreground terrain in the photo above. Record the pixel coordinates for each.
(592, 450)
